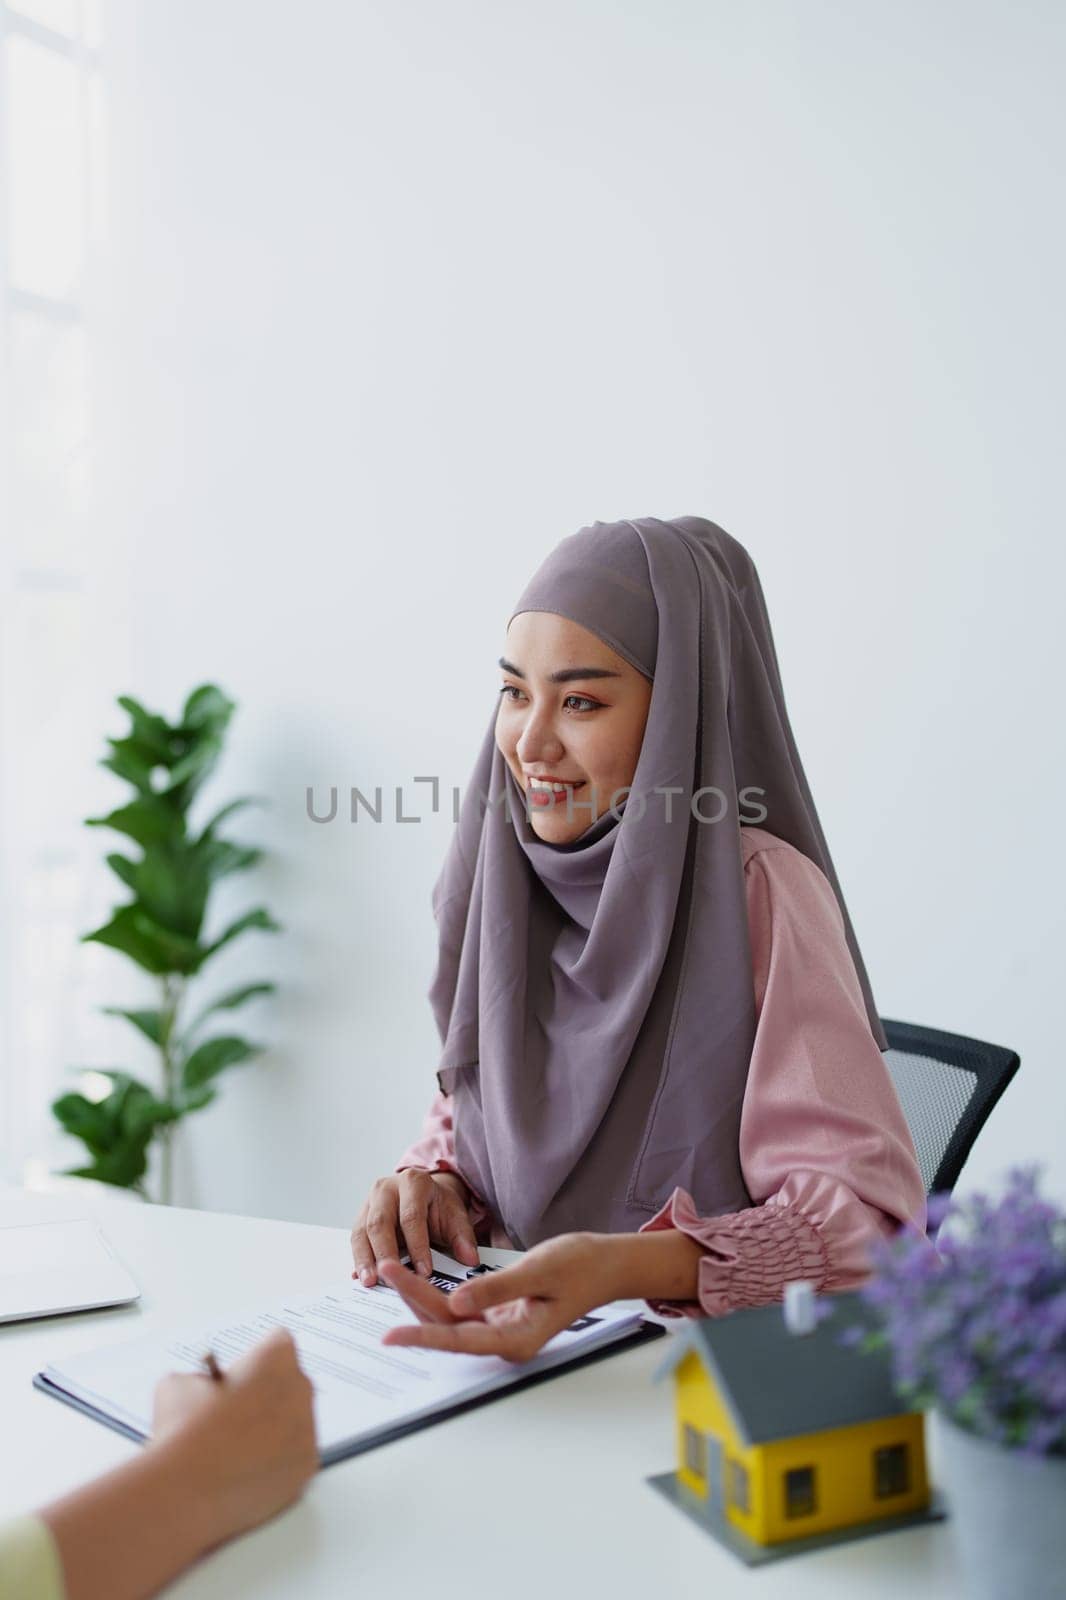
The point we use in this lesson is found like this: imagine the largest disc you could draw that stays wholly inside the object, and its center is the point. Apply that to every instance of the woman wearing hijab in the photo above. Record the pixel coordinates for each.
(661, 1070)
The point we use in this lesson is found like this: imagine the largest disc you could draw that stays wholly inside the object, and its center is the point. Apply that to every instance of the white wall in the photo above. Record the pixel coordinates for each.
(404, 293)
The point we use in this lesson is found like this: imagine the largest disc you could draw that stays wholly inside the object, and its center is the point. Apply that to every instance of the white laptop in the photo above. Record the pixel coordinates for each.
(47, 1268)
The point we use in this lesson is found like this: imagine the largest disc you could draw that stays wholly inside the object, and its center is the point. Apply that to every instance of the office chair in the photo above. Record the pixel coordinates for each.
(947, 1085)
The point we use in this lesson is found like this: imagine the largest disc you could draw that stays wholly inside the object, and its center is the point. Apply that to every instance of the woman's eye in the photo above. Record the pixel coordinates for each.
(573, 702)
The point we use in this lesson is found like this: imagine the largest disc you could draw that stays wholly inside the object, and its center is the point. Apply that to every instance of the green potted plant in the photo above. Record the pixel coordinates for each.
(977, 1332)
(161, 929)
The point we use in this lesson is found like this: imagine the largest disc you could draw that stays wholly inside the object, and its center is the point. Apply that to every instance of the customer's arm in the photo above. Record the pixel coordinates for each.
(29, 1562)
(223, 1457)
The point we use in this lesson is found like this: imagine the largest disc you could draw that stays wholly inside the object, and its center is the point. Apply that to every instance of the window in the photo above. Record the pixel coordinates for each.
(695, 1452)
(738, 1486)
(891, 1470)
(799, 1492)
(52, 619)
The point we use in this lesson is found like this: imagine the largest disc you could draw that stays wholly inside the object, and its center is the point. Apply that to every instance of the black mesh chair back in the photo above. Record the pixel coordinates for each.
(947, 1085)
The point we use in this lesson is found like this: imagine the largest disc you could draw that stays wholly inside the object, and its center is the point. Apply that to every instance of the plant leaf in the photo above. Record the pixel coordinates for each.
(116, 1130)
(134, 1108)
(259, 918)
(195, 1099)
(85, 1120)
(123, 1166)
(143, 1114)
(222, 857)
(149, 821)
(207, 708)
(149, 730)
(214, 1056)
(130, 760)
(125, 869)
(230, 1002)
(150, 1023)
(156, 949)
(195, 766)
(228, 810)
(172, 884)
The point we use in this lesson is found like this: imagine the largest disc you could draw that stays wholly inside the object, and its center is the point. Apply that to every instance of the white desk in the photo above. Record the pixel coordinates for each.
(542, 1491)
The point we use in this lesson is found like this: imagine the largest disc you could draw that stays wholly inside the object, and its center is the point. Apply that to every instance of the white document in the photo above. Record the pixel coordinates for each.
(363, 1390)
(51, 1267)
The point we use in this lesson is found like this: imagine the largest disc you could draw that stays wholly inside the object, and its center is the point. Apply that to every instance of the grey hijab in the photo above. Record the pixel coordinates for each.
(595, 1000)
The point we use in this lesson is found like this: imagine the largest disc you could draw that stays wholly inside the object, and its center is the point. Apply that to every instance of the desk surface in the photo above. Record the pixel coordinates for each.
(543, 1490)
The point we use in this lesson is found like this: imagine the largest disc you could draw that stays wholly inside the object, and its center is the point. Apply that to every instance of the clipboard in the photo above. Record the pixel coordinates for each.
(644, 1333)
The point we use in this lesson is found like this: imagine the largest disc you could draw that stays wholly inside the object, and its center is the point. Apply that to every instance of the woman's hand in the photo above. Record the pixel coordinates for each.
(404, 1212)
(513, 1312)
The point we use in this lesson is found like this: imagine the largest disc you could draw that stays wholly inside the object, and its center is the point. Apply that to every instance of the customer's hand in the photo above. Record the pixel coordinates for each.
(241, 1449)
(223, 1457)
(404, 1213)
(510, 1313)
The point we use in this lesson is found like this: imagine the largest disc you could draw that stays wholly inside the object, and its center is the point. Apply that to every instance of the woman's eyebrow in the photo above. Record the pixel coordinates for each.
(567, 675)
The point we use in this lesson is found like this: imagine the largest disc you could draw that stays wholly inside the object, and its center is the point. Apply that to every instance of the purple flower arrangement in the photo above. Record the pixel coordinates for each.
(977, 1326)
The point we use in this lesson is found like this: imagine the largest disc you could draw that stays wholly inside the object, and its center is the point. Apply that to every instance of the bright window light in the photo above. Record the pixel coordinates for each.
(62, 16)
(46, 170)
(49, 439)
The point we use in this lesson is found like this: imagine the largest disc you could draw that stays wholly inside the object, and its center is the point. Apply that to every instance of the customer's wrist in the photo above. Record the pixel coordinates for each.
(190, 1467)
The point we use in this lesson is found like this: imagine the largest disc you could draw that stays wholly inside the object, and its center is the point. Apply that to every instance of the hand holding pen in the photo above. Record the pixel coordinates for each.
(227, 1451)
(245, 1435)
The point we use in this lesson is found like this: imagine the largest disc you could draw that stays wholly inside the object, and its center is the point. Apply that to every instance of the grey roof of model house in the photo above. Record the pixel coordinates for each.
(777, 1384)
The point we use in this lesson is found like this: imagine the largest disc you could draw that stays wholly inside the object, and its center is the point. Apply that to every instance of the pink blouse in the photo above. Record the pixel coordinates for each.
(824, 1148)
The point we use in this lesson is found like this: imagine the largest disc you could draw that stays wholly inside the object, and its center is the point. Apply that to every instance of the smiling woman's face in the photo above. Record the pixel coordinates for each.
(571, 711)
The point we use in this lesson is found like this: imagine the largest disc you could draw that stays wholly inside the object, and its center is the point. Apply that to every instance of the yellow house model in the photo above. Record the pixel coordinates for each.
(790, 1439)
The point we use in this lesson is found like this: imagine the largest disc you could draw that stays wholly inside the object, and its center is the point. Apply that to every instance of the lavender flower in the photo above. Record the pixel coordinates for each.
(977, 1326)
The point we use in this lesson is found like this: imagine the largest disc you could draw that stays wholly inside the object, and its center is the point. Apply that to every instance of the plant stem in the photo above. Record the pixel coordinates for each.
(165, 1174)
(173, 988)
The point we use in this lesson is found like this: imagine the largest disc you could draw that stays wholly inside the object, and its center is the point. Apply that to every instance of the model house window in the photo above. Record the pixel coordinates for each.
(695, 1452)
(738, 1486)
(799, 1492)
(891, 1470)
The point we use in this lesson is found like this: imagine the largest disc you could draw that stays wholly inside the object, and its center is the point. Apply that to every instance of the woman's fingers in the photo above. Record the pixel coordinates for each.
(514, 1341)
(475, 1296)
(362, 1253)
(374, 1237)
(516, 1333)
(427, 1302)
(415, 1195)
(401, 1215)
(382, 1217)
(474, 1338)
(453, 1225)
(381, 1231)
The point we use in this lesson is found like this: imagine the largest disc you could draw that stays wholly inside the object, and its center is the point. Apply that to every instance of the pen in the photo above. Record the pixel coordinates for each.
(214, 1371)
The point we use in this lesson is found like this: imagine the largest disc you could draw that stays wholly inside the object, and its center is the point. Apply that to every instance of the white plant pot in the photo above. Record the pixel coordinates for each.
(1007, 1514)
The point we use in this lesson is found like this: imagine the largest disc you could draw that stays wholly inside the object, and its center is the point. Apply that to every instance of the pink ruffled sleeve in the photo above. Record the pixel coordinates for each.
(434, 1149)
(824, 1148)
